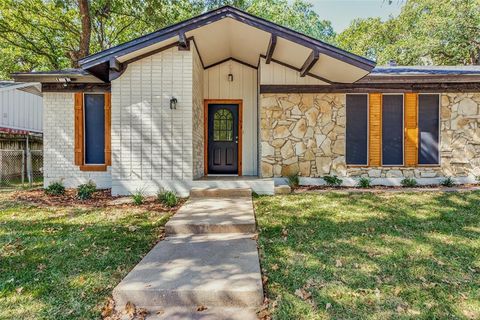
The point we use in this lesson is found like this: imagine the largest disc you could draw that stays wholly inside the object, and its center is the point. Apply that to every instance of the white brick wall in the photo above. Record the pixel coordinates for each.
(151, 143)
(58, 144)
(198, 115)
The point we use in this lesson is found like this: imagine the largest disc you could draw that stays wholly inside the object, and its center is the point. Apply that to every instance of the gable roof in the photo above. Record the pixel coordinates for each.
(241, 36)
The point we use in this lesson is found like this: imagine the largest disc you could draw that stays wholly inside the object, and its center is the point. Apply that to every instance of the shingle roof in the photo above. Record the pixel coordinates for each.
(426, 70)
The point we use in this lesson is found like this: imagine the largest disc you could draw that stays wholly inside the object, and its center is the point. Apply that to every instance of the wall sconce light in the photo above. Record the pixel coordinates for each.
(230, 77)
(173, 103)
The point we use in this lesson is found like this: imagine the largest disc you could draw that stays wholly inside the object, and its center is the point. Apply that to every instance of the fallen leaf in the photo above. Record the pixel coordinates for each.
(41, 267)
(255, 237)
(142, 313)
(201, 308)
(108, 308)
(19, 290)
(338, 263)
(328, 306)
(132, 228)
(161, 311)
(264, 280)
(274, 267)
(130, 309)
(302, 293)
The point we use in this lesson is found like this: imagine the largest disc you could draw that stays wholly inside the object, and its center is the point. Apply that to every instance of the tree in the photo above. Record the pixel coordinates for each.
(441, 32)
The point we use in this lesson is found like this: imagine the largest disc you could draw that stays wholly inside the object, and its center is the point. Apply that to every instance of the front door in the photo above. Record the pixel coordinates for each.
(223, 138)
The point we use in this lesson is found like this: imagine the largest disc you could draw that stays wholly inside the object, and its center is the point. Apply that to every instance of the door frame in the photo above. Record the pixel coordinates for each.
(206, 103)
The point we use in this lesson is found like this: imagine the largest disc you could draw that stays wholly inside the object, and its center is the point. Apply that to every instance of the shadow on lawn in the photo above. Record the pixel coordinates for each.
(62, 265)
(407, 255)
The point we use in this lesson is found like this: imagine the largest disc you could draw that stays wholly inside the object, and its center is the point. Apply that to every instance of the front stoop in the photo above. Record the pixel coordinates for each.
(209, 258)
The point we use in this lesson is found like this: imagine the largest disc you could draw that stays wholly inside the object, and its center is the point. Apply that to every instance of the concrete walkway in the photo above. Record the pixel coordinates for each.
(208, 259)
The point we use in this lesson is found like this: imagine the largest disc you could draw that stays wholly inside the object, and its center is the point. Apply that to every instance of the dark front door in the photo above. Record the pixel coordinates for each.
(223, 139)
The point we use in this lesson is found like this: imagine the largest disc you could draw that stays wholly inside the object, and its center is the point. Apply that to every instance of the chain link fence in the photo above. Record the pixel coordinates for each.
(21, 169)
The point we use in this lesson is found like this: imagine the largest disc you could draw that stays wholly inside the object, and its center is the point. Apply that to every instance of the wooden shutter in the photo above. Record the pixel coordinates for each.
(78, 128)
(375, 129)
(108, 139)
(411, 129)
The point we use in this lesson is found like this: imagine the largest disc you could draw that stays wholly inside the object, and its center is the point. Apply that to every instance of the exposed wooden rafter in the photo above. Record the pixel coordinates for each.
(183, 42)
(271, 48)
(309, 63)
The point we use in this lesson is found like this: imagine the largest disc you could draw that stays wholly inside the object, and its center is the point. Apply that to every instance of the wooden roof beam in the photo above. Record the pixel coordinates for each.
(183, 42)
(309, 63)
(271, 49)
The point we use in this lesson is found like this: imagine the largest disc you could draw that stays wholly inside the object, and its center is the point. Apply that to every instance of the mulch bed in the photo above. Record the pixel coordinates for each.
(463, 187)
(100, 199)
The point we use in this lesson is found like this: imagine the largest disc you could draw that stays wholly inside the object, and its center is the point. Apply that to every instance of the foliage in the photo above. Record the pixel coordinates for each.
(46, 35)
(168, 198)
(55, 188)
(332, 181)
(388, 255)
(85, 191)
(440, 32)
(138, 197)
(448, 182)
(409, 182)
(293, 181)
(62, 263)
(365, 182)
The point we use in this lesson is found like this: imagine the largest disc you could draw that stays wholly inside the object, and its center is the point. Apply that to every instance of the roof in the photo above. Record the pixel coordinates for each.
(240, 36)
(30, 87)
(75, 75)
(426, 70)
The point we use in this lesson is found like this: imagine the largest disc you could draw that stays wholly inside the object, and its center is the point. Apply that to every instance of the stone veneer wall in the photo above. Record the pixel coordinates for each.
(305, 133)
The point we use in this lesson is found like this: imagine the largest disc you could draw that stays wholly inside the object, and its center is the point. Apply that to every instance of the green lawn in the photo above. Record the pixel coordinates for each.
(63, 262)
(371, 256)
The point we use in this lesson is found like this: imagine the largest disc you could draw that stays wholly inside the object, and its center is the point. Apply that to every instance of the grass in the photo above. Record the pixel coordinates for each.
(371, 256)
(62, 263)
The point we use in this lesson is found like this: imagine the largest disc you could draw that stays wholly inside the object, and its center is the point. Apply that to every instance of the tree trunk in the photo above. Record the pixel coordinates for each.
(85, 34)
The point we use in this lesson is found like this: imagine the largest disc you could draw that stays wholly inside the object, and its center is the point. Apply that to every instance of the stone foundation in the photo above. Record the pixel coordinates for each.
(305, 134)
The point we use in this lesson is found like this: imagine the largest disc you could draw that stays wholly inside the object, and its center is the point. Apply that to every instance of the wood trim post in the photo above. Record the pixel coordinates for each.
(108, 131)
(411, 129)
(375, 128)
(78, 109)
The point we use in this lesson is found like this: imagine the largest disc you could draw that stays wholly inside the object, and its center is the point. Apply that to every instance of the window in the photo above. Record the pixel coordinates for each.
(92, 131)
(357, 129)
(94, 122)
(428, 127)
(223, 125)
(392, 130)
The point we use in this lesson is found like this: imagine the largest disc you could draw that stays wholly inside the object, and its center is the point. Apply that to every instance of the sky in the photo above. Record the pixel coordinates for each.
(342, 12)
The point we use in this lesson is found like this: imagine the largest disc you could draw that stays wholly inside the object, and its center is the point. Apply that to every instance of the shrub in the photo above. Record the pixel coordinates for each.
(409, 182)
(365, 182)
(332, 181)
(448, 182)
(293, 181)
(168, 198)
(85, 191)
(138, 197)
(55, 189)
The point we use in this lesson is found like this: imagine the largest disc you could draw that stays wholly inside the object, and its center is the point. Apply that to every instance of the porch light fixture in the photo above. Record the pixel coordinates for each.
(230, 77)
(173, 103)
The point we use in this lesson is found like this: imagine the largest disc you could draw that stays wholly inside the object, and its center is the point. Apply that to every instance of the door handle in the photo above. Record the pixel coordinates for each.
(236, 139)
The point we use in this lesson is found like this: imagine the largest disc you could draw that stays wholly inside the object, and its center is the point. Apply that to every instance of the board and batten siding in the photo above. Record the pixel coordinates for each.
(276, 74)
(152, 143)
(245, 87)
(20, 110)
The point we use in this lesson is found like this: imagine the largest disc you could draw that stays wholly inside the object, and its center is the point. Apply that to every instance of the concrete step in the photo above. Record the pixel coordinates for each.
(220, 192)
(213, 215)
(215, 313)
(213, 270)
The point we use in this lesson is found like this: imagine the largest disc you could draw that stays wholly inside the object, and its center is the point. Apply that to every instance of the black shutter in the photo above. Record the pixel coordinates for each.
(428, 126)
(94, 129)
(357, 129)
(392, 130)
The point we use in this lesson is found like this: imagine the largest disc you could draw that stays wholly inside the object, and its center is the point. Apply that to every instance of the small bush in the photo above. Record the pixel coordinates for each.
(409, 182)
(332, 181)
(365, 182)
(138, 197)
(168, 198)
(448, 182)
(55, 189)
(293, 181)
(85, 191)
